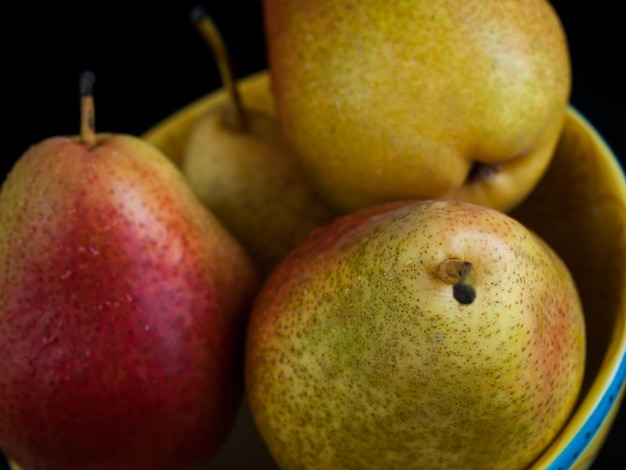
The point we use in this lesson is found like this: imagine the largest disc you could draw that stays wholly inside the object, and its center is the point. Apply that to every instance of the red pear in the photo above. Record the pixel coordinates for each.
(122, 307)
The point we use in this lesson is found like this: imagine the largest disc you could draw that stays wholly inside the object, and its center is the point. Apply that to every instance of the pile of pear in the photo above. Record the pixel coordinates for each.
(331, 236)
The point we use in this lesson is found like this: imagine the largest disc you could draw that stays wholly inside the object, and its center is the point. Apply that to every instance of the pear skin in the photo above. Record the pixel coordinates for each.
(171, 134)
(123, 305)
(250, 179)
(240, 166)
(450, 99)
(361, 354)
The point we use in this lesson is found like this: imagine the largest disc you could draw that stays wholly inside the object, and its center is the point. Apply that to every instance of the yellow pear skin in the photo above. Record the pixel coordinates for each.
(240, 166)
(250, 179)
(362, 352)
(171, 134)
(452, 99)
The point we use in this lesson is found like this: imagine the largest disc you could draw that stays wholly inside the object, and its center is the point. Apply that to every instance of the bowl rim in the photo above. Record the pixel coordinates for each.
(607, 389)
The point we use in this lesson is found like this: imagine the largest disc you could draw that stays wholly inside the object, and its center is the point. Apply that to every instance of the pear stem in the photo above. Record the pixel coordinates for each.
(87, 109)
(462, 276)
(209, 31)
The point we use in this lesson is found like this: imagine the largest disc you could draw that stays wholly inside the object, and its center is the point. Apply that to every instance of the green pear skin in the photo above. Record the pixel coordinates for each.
(415, 99)
(359, 355)
(122, 311)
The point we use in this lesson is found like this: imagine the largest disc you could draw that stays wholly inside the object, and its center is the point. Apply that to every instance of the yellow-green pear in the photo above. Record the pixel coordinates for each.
(453, 99)
(415, 335)
(240, 166)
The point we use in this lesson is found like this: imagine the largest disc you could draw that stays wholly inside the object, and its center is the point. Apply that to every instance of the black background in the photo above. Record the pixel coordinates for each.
(150, 61)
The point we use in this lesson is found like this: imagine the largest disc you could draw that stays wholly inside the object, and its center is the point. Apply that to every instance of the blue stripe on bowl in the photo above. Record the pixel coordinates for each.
(579, 443)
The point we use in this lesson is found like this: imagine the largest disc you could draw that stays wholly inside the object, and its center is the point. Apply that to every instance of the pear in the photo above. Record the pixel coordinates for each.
(170, 135)
(240, 166)
(413, 335)
(123, 305)
(450, 99)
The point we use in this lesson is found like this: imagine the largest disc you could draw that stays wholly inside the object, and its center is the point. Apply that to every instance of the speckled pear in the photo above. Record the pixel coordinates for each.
(240, 166)
(123, 304)
(451, 99)
(430, 334)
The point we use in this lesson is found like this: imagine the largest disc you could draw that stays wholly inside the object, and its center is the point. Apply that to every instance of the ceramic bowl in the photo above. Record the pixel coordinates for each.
(579, 208)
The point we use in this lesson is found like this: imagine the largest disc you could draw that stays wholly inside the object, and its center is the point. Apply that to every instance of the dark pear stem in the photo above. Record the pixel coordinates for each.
(87, 109)
(208, 30)
(480, 172)
(462, 276)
